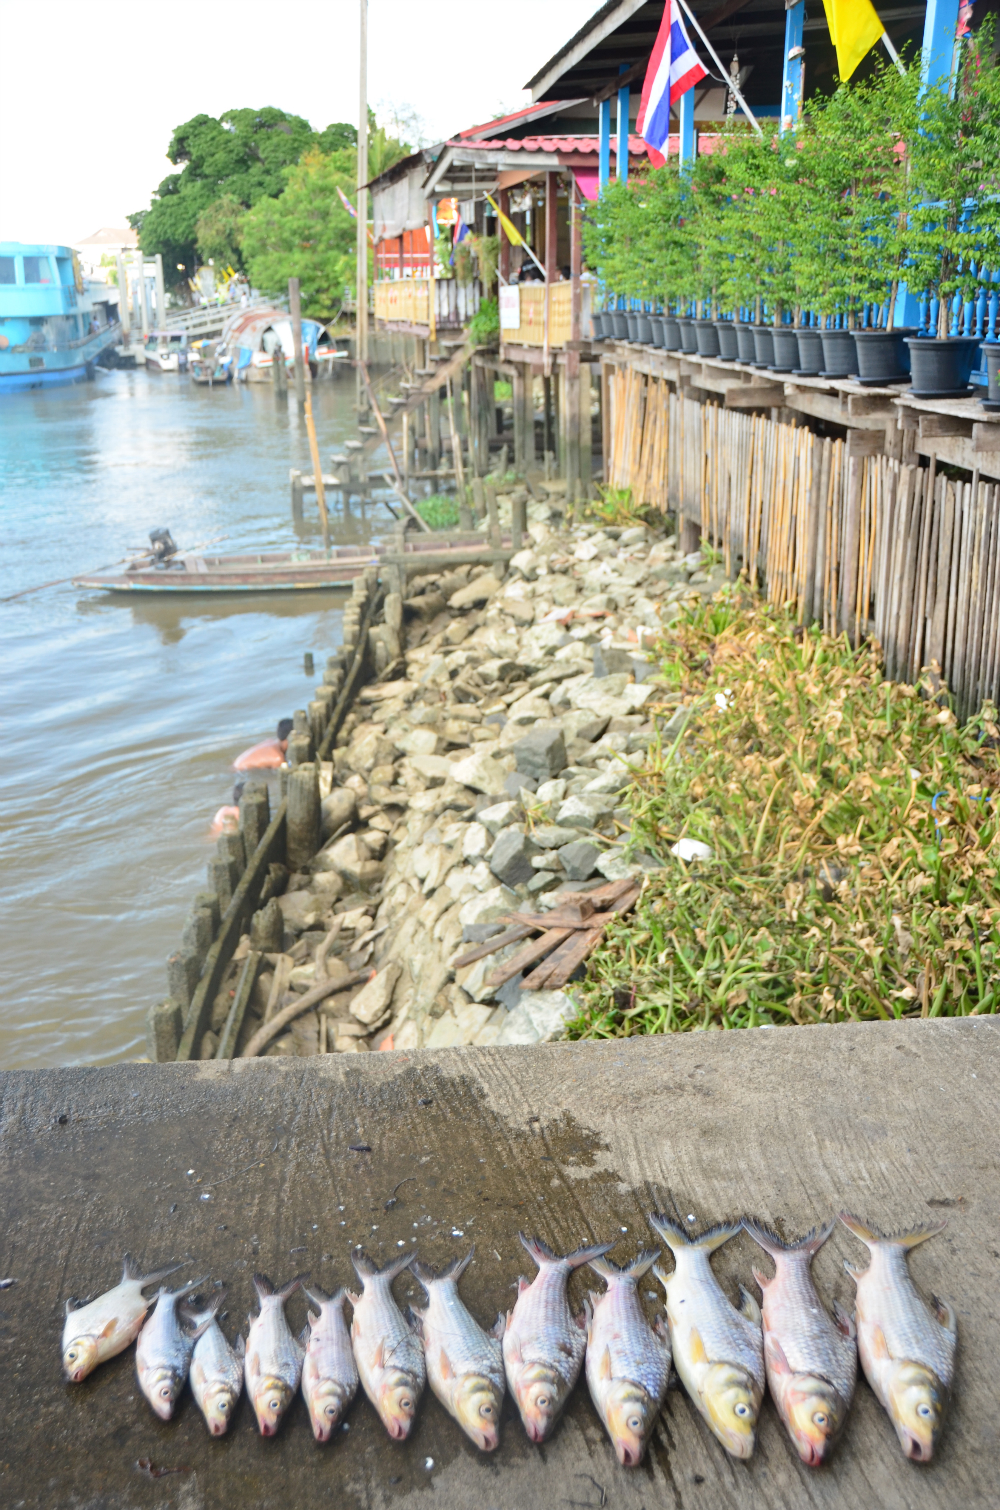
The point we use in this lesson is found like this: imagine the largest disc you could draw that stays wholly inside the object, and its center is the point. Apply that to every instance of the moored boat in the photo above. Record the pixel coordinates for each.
(53, 323)
(166, 350)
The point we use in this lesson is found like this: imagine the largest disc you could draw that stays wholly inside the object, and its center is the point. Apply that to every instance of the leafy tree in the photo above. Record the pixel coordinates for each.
(306, 233)
(242, 156)
(218, 230)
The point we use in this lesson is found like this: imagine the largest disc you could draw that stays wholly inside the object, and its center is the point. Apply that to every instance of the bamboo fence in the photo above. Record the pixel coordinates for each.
(862, 545)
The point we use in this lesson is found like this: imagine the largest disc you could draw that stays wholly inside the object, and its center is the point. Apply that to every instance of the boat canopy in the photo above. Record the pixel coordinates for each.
(260, 332)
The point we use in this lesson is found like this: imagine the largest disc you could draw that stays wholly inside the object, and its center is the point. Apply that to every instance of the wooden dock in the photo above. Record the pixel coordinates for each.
(302, 1159)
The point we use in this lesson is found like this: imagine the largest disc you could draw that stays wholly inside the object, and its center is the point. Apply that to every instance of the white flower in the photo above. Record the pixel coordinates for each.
(724, 700)
(914, 774)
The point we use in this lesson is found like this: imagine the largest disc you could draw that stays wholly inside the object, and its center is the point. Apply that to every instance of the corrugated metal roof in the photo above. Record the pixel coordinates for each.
(636, 145)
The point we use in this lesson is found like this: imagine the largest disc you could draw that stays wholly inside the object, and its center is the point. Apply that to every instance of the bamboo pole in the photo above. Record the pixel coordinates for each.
(317, 471)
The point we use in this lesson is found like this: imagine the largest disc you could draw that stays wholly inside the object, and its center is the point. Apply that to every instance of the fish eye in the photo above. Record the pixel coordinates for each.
(634, 1423)
(331, 1411)
(923, 1409)
(405, 1403)
(223, 1405)
(542, 1402)
(820, 1418)
(486, 1410)
(741, 1409)
(274, 1404)
(72, 1355)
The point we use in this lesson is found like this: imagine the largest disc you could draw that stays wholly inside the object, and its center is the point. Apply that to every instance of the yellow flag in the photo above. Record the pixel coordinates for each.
(854, 30)
(510, 230)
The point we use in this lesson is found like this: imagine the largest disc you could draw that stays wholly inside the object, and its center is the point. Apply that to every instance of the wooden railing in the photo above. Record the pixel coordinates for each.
(531, 331)
(407, 301)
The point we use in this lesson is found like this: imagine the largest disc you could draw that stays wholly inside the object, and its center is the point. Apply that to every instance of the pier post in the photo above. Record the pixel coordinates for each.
(279, 372)
(164, 1025)
(161, 294)
(295, 477)
(124, 313)
(183, 972)
(303, 816)
(295, 310)
(518, 521)
(434, 430)
(255, 815)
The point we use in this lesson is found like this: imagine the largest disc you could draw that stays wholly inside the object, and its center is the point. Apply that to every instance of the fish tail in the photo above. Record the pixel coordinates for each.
(639, 1266)
(769, 1240)
(208, 1311)
(132, 1271)
(586, 1255)
(676, 1238)
(908, 1238)
(291, 1287)
(366, 1268)
(263, 1286)
(315, 1296)
(240, 1346)
(183, 1290)
(428, 1275)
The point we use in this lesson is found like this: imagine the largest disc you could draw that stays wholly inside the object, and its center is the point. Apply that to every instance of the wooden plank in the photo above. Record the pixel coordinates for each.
(755, 395)
(943, 424)
(985, 438)
(557, 969)
(536, 950)
(498, 941)
(865, 442)
(237, 1012)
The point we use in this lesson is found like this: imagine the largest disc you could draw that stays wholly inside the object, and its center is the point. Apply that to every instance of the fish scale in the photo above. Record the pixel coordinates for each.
(273, 1358)
(620, 1326)
(464, 1363)
(886, 1289)
(628, 1363)
(696, 1296)
(390, 1358)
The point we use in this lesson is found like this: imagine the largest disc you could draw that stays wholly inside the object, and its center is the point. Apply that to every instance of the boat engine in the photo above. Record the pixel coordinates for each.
(163, 544)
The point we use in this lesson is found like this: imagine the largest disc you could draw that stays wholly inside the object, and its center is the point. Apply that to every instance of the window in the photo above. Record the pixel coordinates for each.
(7, 273)
(65, 266)
(37, 270)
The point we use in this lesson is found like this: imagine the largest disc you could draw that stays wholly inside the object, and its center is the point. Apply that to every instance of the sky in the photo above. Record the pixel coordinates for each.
(83, 139)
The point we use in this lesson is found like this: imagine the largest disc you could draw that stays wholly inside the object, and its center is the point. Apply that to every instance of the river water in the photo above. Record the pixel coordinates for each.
(122, 717)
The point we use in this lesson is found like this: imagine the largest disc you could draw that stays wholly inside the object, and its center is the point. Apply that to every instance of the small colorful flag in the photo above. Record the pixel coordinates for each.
(674, 68)
(854, 30)
(347, 203)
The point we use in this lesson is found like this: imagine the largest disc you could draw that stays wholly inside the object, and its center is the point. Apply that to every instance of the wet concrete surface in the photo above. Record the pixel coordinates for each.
(250, 1166)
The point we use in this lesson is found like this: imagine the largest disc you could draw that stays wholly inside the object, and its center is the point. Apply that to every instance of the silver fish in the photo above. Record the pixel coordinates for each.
(163, 1351)
(718, 1350)
(907, 1349)
(389, 1356)
(329, 1372)
(97, 1331)
(272, 1364)
(628, 1361)
(811, 1359)
(543, 1342)
(464, 1363)
(216, 1368)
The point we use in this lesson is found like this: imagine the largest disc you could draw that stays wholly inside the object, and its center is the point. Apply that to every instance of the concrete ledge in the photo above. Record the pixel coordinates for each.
(896, 1120)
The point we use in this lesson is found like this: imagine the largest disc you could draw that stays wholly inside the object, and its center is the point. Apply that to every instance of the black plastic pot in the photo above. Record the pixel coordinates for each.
(729, 347)
(991, 354)
(763, 345)
(941, 368)
(619, 325)
(786, 348)
(882, 355)
(810, 341)
(689, 341)
(656, 326)
(597, 327)
(744, 341)
(707, 338)
(840, 355)
(632, 320)
(644, 328)
(671, 333)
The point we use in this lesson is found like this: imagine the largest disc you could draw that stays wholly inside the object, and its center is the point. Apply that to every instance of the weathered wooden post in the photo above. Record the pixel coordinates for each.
(298, 497)
(493, 515)
(518, 520)
(164, 1026)
(434, 430)
(279, 372)
(161, 294)
(361, 292)
(295, 310)
(255, 815)
(183, 974)
(303, 821)
(267, 928)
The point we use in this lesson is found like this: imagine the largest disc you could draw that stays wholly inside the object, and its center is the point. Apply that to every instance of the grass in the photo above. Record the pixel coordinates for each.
(440, 511)
(616, 507)
(855, 833)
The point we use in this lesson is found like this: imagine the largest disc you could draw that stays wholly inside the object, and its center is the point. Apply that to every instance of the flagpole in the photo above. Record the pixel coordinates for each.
(894, 55)
(733, 85)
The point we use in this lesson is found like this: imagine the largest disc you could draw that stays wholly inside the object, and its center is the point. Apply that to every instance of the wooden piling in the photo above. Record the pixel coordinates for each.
(303, 816)
(295, 310)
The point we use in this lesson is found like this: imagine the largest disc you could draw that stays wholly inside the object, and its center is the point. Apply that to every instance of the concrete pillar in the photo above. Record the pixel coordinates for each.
(124, 313)
(603, 143)
(624, 97)
(688, 143)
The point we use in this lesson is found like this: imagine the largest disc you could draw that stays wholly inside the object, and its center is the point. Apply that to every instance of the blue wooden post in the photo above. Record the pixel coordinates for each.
(624, 100)
(938, 54)
(603, 144)
(791, 76)
(685, 108)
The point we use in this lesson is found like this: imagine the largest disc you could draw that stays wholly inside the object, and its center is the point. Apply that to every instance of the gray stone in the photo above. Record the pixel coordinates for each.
(478, 933)
(483, 771)
(550, 836)
(539, 1017)
(337, 809)
(580, 723)
(479, 591)
(585, 810)
(500, 815)
(579, 859)
(372, 1001)
(542, 880)
(542, 753)
(551, 791)
(486, 906)
(609, 661)
(510, 857)
(517, 782)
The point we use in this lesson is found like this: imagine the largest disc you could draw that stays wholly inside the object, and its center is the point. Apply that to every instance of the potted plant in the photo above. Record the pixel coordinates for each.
(952, 236)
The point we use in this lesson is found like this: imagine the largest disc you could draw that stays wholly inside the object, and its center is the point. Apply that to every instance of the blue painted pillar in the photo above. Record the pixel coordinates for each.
(940, 25)
(603, 143)
(624, 100)
(792, 71)
(689, 146)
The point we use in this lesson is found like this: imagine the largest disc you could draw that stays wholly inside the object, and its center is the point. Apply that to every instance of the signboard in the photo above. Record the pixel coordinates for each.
(510, 307)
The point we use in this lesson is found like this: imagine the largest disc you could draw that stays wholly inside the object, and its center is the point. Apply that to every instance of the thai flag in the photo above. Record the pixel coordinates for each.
(346, 203)
(673, 70)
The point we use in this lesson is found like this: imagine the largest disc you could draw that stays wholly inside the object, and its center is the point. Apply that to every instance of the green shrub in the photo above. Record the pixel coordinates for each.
(440, 511)
(485, 323)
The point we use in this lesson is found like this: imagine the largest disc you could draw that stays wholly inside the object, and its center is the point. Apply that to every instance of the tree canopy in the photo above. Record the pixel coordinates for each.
(306, 233)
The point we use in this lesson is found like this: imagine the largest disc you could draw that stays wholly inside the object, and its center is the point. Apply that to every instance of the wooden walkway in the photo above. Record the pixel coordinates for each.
(302, 1159)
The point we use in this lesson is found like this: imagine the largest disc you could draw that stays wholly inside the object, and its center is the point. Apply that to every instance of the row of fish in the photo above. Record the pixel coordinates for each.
(723, 1355)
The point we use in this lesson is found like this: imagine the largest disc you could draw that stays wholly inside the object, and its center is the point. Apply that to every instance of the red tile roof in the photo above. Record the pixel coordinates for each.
(636, 145)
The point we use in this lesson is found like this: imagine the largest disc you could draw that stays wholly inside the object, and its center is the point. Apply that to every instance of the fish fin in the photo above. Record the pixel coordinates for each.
(604, 1367)
(639, 1266)
(499, 1327)
(586, 1255)
(748, 1307)
(182, 1290)
(240, 1347)
(522, 1284)
(675, 1237)
(945, 1314)
(306, 1331)
(428, 1275)
(317, 1297)
(843, 1320)
(662, 1330)
(661, 1275)
(290, 1288)
(879, 1346)
(354, 1299)
(444, 1364)
(108, 1330)
(208, 1311)
(908, 1238)
(131, 1271)
(696, 1347)
(768, 1239)
(760, 1277)
(538, 1249)
(366, 1268)
(852, 1271)
(262, 1285)
(70, 1307)
(200, 1330)
(775, 1354)
(378, 1360)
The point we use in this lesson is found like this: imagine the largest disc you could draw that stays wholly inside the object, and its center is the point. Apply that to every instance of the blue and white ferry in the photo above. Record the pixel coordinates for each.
(53, 324)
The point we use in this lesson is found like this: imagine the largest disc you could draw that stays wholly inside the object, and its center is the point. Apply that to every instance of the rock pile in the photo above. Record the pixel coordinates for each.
(487, 777)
